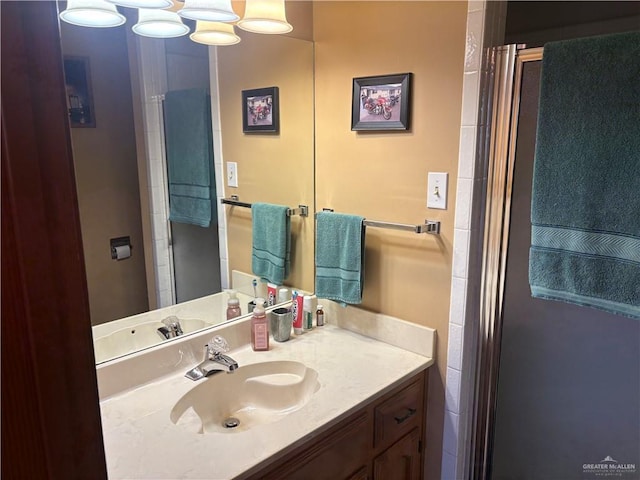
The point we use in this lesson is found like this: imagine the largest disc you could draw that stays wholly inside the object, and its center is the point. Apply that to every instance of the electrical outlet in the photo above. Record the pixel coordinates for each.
(232, 174)
(437, 190)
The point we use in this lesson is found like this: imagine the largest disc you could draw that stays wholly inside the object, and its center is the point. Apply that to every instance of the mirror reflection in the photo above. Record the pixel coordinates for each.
(165, 268)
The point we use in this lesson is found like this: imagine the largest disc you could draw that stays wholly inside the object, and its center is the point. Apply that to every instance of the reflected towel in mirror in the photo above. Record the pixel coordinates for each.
(187, 123)
(271, 249)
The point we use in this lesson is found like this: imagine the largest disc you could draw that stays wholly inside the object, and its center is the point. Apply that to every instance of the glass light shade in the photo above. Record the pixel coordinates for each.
(143, 3)
(265, 16)
(209, 10)
(214, 33)
(92, 13)
(159, 24)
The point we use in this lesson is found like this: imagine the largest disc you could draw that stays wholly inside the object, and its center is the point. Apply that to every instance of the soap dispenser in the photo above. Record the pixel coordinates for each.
(259, 328)
(233, 305)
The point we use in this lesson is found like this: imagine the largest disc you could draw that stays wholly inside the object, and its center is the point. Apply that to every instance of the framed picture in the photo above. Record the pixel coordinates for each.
(260, 112)
(381, 103)
(79, 95)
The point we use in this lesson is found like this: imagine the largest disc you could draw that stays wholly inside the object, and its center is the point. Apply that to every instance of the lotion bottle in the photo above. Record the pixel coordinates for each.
(259, 328)
(233, 305)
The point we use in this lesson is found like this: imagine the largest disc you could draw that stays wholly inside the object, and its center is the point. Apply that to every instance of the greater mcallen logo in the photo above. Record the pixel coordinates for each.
(608, 467)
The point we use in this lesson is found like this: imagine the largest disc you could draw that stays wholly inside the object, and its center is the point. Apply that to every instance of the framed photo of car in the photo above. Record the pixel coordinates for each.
(260, 110)
(381, 102)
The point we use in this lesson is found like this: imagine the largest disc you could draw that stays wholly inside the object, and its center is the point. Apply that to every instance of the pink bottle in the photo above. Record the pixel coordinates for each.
(259, 328)
(233, 306)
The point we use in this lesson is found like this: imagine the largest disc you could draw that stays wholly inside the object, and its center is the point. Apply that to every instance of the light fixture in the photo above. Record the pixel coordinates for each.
(159, 24)
(143, 3)
(92, 13)
(265, 16)
(209, 10)
(214, 33)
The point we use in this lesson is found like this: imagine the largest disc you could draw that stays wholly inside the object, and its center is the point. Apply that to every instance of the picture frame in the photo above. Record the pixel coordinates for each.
(381, 102)
(79, 93)
(261, 110)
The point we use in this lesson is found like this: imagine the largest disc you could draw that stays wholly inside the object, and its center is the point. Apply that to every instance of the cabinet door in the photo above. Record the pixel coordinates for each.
(360, 475)
(340, 455)
(401, 461)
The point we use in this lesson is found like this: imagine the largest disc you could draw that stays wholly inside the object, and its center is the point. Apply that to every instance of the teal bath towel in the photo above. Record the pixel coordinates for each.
(340, 257)
(585, 213)
(187, 120)
(271, 251)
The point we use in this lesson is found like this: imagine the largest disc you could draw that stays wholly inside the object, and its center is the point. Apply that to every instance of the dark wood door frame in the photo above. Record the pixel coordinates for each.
(50, 409)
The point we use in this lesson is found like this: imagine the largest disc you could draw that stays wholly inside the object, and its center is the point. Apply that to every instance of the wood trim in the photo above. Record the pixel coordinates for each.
(51, 418)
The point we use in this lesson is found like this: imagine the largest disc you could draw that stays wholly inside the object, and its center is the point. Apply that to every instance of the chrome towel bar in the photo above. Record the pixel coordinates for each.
(302, 210)
(429, 226)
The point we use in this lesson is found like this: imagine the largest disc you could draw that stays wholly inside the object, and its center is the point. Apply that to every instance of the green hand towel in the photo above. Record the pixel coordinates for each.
(585, 212)
(187, 120)
(340, 257)
(271, 251)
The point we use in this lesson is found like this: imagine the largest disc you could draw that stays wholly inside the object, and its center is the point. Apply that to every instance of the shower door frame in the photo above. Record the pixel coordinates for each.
(507, 63)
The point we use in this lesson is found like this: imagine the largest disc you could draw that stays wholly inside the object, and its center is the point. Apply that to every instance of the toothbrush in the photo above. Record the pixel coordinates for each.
(254, 282)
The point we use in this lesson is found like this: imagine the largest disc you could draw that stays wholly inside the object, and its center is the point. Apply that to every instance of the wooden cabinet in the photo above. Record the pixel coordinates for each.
(402, 461)
(341, 453)
(381, 441)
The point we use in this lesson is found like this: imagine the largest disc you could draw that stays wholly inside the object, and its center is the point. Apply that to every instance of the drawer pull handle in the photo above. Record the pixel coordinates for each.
(410, 413)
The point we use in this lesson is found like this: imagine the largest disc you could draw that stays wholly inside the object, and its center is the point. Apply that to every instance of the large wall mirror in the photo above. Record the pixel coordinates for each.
(116, 82)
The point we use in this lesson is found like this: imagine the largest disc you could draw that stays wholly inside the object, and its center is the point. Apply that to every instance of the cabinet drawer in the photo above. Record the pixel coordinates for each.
(399, 415)
(335, 456)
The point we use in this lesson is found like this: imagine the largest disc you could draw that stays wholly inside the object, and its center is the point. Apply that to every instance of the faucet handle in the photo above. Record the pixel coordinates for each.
(218, 345)
(173, 324)
(170, 320)
(171, 327)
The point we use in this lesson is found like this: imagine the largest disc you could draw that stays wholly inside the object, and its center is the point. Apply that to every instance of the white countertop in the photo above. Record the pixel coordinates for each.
(141, 442)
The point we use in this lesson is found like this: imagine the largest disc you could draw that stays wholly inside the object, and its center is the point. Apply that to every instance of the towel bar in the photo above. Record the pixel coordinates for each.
(429, 226)
(302, 210)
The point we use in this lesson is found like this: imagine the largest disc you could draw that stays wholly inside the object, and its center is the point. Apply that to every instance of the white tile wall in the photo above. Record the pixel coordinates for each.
(450, 439)
(457, 308)
(463, 203)
(467, 150)
(452, 392)
(460, 252)
(454, 350)
(153, 85)
(470, 97)
(485, 27)
(218, 167)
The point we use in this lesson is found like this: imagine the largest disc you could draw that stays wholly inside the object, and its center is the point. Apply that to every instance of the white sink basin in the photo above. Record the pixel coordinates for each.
(137, 337)
(255, 394)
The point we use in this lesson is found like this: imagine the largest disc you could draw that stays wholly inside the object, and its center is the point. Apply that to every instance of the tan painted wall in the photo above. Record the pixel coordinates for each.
(107, 177)
(273, 168)
(383, 176)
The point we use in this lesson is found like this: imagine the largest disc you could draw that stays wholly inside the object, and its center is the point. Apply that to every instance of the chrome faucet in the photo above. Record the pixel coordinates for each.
(171, 329)
(214, 360)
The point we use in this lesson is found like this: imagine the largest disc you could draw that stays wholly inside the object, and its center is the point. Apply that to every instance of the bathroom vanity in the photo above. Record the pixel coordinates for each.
(331, 403)
(383, 440)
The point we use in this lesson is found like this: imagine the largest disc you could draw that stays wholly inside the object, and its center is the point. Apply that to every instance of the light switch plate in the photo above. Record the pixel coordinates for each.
(232, 174)
(437, 190)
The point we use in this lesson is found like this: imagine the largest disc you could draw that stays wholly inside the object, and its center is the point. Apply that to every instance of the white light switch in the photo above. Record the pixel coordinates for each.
(437, 190)
(232, 174)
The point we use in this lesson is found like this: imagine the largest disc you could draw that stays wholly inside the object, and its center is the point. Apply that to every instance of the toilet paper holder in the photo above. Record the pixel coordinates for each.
(117, 250)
